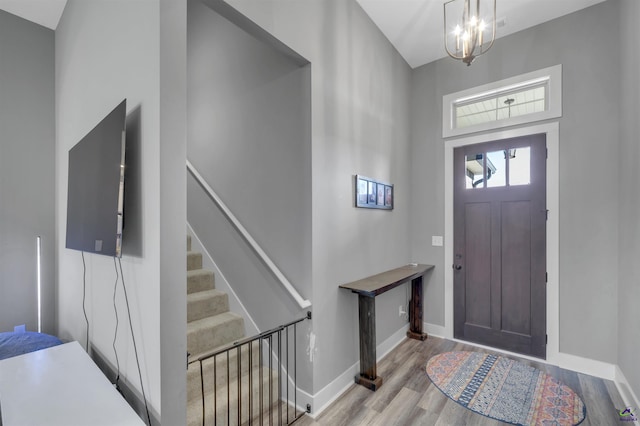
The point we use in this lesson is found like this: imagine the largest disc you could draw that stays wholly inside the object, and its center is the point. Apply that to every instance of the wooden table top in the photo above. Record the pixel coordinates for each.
(385, 281)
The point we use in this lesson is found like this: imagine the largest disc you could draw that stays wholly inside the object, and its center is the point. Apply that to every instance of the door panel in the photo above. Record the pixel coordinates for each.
(500, 243)
(478, 272)
(516, 258)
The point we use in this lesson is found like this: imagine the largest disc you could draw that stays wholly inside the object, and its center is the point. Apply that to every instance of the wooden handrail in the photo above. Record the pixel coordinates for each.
(303, 303)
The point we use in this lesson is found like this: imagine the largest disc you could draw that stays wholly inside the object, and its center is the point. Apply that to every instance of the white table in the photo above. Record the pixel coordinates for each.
(60, 386)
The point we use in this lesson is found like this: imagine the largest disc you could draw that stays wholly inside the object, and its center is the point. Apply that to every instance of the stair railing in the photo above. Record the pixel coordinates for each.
(303, 303)
(282, 404)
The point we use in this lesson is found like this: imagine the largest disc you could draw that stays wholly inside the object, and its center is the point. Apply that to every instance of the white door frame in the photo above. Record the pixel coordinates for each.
(552, 130)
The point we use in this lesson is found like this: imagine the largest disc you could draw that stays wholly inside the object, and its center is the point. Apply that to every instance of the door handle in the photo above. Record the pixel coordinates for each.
(456, 267)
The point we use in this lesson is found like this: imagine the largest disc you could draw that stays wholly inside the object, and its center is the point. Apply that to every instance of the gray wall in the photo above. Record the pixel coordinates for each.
(588, 50)
(629, 222)
(107, 50)
(359, 125)
(249, 137)
(27, 204)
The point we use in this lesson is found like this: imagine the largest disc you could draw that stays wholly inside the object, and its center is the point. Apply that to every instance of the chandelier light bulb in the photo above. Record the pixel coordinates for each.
(468, 36)
(481, 28)
(457, 32)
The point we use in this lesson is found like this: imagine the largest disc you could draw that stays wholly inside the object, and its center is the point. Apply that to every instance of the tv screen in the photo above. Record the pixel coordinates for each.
(96, 187)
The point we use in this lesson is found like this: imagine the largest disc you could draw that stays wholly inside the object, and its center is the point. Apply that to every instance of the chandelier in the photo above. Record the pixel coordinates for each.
(464, 37)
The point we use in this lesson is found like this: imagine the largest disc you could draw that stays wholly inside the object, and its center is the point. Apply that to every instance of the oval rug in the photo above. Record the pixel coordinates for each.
(504, 389)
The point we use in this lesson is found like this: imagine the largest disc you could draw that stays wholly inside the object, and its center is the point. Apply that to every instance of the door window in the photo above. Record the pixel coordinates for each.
(494, 169)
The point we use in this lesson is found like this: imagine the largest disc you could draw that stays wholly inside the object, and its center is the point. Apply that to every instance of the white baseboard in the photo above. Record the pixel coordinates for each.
(325, 396)
(592, 367)
(390, 343)
(626, 392)
(328, 394)
(434, 330)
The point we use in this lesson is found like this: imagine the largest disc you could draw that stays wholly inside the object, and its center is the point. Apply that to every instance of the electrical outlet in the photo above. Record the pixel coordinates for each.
(401, 312)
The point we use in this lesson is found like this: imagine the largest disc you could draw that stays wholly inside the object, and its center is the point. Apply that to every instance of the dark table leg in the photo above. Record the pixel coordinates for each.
(368, 371)
(415, 311)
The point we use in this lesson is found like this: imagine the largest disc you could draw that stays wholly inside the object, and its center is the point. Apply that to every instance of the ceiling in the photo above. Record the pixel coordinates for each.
(415, 27)
(44, 12)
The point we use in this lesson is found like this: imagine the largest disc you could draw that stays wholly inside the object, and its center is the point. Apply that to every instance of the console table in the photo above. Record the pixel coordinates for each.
(367, 289)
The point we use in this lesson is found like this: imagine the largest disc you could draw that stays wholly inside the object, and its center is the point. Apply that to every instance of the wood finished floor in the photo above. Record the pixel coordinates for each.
(407, 396)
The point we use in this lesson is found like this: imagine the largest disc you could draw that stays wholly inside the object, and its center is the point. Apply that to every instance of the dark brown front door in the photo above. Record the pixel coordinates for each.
(500, 244)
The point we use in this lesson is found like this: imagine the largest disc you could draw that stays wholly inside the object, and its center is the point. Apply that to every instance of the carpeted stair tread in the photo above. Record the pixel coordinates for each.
(207, 333)
(206, 303)
(200, 280)
(194, 406)
(194, 260)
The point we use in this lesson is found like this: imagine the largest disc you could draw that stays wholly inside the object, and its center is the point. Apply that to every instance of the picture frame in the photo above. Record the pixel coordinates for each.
(388, 195)
(373, 194)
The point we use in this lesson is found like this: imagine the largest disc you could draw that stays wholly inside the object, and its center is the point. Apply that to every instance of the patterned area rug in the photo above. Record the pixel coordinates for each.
(504, 389)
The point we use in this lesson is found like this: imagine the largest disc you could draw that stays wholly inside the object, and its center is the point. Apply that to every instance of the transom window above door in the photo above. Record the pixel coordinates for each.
(522, 99)
(502, 106)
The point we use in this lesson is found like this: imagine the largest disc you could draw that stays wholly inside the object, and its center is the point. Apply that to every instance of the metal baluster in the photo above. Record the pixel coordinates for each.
(295, 369)
(261, 383)
(279, 377)
(250, 369)
(287, 368)
(228, 392)
(202, 391)
(215, 392)
(271, 379)
(239, 380)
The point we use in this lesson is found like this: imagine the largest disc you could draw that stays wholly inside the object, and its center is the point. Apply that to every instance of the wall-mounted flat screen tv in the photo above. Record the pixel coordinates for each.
(95, 195)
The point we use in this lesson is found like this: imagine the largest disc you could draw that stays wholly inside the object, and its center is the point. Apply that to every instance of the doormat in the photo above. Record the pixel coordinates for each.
(504, 389)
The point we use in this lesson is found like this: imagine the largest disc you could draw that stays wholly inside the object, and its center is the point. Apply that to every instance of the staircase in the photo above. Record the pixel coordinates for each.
(232, 382)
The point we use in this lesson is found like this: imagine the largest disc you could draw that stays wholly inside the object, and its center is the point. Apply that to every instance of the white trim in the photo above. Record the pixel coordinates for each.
(434, 330)
(553, 104)
(332, 391)
(552, 131)
(303, 303)
(626, 392)
(592, 367)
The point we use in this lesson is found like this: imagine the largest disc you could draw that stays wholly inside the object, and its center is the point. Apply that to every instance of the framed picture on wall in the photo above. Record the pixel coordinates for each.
(373, 194)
